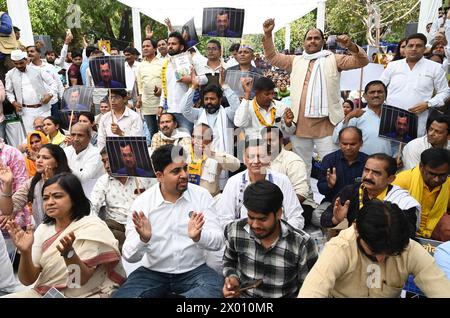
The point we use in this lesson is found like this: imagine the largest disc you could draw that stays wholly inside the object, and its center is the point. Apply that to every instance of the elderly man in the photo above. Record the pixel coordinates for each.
(413, 81)
(83, 158)
(38, 85)
(429, 184)
(169, 134)
(438, 134)
(315, 90)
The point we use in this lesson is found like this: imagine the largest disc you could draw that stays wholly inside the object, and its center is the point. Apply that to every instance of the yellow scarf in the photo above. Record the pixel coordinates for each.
(380, 197)
(164, 82)
(195, 167)
(58, 139)
(428, 221)
(261, 118)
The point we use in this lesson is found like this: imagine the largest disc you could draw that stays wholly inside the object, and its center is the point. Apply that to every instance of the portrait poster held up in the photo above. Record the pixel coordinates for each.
(223, 22)
(108, 71)
(129, 157)
(189, 33)
(233, 79)
(76, 100)
(398, 124)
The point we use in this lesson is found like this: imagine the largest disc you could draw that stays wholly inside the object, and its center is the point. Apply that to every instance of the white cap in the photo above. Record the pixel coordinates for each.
(18, 55)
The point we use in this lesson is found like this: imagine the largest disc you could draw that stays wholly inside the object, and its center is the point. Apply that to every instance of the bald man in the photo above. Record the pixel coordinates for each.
(84, 159)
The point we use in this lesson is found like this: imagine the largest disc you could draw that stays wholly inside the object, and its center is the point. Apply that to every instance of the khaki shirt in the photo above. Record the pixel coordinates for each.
(343, 271)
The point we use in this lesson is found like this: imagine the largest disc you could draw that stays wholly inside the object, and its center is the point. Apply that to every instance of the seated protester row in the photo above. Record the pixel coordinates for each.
(50, 161)
(170, 134)
(262, 111)
(116, 194)
(84, 158)
(120, 121)
(368, 120)
(213, 113)
(263, 246)
(54, 131)
(35, 141)
(374, 258)
(429, 184)
(378, 174)
(172, 225)
(257, 162)
(69, 237)
(205, 163)
(341, 168)
(438, 134)
(291, 165)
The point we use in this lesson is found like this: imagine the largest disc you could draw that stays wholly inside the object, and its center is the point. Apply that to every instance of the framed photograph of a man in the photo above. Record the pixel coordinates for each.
(77, 98)
(223, 22)
(189, 33)
(129, 157)
(398, 124)
(108, 71)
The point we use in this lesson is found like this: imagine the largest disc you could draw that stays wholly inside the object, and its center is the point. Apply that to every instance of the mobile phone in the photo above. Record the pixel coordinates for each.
(250, 285)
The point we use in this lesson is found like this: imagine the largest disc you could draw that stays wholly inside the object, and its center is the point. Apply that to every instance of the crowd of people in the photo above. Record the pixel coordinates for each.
(231, 209)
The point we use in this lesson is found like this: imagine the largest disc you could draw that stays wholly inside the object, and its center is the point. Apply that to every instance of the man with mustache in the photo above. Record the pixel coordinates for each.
(368, 120)
(172, 225)
(374, 258)
(213, 113)
(378, 174)
(169, 133)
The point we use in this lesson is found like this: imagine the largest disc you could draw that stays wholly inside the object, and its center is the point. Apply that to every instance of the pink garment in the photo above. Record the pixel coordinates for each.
(14, 159)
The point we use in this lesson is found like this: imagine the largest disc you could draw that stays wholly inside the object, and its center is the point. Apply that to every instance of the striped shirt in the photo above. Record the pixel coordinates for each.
(283, 267)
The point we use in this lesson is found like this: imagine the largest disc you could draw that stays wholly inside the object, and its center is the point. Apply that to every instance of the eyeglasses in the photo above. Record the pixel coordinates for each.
(39, 127)
(434, 175)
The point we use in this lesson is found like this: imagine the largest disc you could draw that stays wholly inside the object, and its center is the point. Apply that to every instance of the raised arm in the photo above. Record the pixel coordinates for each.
(276, 59)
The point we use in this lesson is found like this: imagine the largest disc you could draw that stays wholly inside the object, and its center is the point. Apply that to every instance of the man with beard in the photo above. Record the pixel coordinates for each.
(168, 134)
(378, 174)
(401, 130)
(263, 246)
(213, 113)
(173, 90)
(172, 225)
(106, 75)
(374, 258)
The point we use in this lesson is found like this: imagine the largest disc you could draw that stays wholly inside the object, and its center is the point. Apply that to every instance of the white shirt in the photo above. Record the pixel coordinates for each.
(7, 280)
(130, 123)
(87, 166)
(231, 207)
(407, 87)
(246, 117)
(51, 70)
(413, 149)
(170, 250)
(116, 196)
(130, 74)
(175, 91)
(31, 97)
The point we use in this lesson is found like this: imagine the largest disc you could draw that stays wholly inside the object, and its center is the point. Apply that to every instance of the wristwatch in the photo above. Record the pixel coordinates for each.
(69, 254)
(428, 104)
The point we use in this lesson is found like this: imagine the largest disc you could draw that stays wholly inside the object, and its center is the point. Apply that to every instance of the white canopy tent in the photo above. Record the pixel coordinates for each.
(428, 13)
(256, 12)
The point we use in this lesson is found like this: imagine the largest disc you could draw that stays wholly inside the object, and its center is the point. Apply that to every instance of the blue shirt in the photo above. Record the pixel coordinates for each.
(369, 123)
(442, 258)
(345, 174)
(83, 68)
